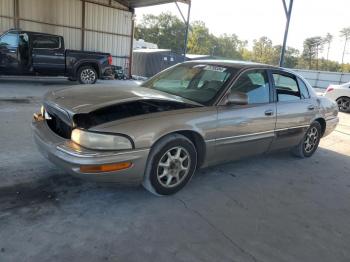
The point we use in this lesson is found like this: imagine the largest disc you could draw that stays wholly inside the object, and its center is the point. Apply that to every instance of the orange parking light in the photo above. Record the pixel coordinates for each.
(105, 168)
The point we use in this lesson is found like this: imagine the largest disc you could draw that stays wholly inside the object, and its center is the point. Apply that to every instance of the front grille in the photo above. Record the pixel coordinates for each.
(59, 127)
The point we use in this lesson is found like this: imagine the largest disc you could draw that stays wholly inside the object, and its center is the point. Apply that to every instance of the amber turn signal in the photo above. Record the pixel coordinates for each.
(105, 168)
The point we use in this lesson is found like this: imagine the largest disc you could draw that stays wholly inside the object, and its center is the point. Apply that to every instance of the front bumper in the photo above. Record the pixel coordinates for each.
(70, 156)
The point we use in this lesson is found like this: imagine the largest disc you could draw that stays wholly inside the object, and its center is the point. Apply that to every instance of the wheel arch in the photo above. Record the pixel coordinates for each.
(195, 137)
(89, 63)
(323, 124)
(342, 97)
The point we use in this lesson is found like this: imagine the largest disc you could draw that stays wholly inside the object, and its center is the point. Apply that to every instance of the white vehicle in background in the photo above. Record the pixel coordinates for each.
(340, 94)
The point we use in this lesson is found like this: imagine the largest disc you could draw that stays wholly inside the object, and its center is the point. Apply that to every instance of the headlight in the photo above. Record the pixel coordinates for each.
(42, 110)
(100, 141)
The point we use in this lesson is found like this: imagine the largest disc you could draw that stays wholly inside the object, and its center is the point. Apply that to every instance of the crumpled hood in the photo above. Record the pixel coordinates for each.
(87, 98)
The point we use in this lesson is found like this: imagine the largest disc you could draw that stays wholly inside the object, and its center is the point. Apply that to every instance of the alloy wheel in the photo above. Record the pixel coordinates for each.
(343, 103)
(311, 139)
(88, 76)
(173, 167)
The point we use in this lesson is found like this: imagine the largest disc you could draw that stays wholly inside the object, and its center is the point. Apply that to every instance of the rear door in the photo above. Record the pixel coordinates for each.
(48, 54)
(295, 109)
(245, 130)
(9, 60)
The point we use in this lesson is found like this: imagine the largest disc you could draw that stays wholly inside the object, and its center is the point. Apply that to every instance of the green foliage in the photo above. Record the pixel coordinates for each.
(263, 50)
(168, 32)
(312, 48)
(200, 41)
(345, 32)
(165, 30)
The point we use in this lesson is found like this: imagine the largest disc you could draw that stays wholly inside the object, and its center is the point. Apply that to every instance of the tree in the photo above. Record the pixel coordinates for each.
(165, 30)
(291, 56)
(345, 32)
(262, 50)
(200, 41)
(229, 46)
(328, 40)
(312, 47)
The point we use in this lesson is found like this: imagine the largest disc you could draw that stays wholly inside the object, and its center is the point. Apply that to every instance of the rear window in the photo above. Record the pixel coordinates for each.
(286, 87)
(303, 89)
(49, 42)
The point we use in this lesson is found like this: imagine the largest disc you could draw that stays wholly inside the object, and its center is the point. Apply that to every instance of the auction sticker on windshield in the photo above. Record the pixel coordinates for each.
(215, 68)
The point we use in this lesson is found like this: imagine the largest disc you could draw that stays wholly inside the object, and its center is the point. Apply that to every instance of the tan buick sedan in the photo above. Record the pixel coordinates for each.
(192, 115)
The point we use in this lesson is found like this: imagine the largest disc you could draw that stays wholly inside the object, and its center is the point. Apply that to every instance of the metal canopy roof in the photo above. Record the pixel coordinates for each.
(143, 3)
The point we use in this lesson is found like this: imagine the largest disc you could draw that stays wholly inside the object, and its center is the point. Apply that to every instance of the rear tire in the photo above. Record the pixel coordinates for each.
(309, 144)
(87, 75)
(171, 164)
(344, 104)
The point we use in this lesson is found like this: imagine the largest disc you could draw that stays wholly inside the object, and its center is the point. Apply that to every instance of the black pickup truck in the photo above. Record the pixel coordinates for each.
(32, 53)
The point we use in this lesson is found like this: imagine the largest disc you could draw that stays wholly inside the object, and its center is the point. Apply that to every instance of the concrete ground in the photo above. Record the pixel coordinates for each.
(268, 208)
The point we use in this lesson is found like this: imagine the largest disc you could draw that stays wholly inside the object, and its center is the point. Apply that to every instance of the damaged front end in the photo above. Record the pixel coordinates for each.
(66, 139)
(63, 122)
(126, 110)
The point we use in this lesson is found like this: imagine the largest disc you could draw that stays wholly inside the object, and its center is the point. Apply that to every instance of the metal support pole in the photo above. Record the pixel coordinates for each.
(178, 8)
(131, 43)
(288, 14)
(187, 29)
(16, 13)
(82, 47)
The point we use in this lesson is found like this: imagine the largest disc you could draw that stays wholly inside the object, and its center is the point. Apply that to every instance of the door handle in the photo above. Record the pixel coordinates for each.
(58, 54)
(12, 51)
(311, 107)
(269, 112)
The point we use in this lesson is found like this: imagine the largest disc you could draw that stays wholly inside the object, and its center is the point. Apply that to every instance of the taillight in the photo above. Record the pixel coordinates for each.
(110, 60)
(329, 89)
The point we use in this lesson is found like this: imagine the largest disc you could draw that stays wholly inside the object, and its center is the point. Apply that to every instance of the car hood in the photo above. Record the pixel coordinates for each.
(88, 98)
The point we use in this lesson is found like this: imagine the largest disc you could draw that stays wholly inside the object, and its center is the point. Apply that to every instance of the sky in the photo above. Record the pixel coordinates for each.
(250, 19)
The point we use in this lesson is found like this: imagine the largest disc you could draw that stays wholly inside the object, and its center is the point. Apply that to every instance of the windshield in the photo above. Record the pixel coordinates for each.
(201, 83)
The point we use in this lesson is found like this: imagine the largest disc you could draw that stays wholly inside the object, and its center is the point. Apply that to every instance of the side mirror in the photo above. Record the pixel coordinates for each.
(237, 98)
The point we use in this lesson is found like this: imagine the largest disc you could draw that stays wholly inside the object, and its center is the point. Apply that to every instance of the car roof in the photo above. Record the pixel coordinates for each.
(28, 32)
(235, 64)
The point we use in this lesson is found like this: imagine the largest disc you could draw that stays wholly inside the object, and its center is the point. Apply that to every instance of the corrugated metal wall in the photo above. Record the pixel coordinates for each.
(105, 28)
(6, 15)
(108, 29)
(322, 79)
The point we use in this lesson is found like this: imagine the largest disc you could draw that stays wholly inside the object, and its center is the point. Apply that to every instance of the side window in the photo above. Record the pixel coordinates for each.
(48, 42)
(303, 89)
(255, 84)
(9, 40)
(286, 87)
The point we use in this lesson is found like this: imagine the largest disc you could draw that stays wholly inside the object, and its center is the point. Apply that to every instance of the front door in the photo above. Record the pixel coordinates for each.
(48, 54)
(295, 109)
(9, 60)
(245, 130)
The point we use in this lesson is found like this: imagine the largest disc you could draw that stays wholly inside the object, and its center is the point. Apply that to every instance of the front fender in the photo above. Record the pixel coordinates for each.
(147, 130)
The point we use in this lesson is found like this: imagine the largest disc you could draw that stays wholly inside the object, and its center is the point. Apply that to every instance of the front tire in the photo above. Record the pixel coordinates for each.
(87, 75)
(309, 144)
(344, 104)
(171, 164)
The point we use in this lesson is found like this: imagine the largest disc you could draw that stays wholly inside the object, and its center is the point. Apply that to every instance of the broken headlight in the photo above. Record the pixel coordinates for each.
(100, 141)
